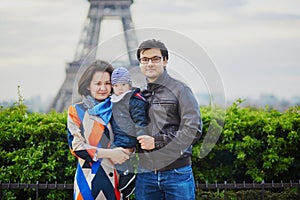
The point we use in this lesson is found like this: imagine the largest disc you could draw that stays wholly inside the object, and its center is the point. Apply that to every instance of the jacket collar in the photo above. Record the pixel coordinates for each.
(160, 81)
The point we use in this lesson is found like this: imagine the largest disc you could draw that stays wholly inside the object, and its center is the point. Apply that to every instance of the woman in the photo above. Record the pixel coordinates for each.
(90, 135)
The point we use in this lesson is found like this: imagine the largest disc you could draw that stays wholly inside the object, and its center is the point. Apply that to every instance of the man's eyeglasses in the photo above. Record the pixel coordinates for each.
(155, 59)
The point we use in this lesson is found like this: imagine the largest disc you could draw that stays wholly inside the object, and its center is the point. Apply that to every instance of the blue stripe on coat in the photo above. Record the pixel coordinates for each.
(83, 185)
(80, 111)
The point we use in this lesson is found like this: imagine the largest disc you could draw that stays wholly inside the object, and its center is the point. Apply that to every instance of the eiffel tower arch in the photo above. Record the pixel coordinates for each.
(99, 10)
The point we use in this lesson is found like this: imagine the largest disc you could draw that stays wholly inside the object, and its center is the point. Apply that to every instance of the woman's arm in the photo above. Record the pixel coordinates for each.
(117, 155)
(79, 146)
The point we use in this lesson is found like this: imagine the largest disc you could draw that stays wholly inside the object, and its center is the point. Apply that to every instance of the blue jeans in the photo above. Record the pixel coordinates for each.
(177, 184)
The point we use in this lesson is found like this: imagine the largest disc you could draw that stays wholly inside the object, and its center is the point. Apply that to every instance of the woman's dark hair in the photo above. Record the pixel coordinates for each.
(150, 44)
(87, 76)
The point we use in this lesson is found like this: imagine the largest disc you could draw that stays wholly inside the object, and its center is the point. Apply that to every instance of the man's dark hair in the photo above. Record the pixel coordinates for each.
(150, 44)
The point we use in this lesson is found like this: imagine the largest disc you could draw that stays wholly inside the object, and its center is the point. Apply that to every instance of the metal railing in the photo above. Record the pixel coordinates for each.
(36, 186)
(248, 186)
(200, 186)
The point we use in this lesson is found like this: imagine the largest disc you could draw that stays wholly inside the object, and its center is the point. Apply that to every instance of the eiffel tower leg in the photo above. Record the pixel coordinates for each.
(87, 46)
(130, 38)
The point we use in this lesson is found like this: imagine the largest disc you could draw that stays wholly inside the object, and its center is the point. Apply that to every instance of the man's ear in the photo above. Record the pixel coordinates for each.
(165, 63)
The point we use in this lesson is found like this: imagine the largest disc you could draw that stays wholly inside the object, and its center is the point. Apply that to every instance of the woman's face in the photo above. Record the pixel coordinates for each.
(100, 86)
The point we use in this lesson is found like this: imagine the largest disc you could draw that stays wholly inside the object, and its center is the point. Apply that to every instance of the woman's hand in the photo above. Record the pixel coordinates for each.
(119, 155)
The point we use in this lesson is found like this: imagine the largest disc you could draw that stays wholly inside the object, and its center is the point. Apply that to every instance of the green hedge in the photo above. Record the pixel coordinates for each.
(33, 147)
(255, 144)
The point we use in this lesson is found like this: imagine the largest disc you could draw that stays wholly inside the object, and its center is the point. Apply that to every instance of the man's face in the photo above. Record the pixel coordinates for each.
(152, 63)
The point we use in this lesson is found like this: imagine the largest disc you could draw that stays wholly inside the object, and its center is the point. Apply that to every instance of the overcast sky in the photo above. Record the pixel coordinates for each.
(254, 44)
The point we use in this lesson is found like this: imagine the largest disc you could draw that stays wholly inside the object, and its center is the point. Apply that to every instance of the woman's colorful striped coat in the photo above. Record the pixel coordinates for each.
(94, 179)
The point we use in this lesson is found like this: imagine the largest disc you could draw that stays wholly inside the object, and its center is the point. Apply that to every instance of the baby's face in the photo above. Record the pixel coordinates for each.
(120, 88)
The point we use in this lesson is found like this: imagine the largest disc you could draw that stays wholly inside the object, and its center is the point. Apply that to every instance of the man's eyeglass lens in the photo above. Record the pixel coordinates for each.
(155, 59)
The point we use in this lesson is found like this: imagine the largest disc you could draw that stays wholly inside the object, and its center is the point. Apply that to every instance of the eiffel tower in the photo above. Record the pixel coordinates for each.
(87, 46)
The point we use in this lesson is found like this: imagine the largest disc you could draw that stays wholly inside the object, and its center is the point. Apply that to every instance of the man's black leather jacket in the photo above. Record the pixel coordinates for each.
(175, 123)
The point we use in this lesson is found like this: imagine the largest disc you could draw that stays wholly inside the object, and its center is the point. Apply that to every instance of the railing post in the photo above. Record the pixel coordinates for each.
(66, 182)
(263, 190)
(244, 184)
(37, 190)
(225, 190)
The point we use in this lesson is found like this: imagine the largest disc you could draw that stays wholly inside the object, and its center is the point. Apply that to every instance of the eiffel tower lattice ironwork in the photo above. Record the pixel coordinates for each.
(98, 10)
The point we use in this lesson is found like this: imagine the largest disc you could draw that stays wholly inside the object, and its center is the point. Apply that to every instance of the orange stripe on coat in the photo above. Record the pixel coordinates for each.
(95, 137)
(73, 153)
(79, 197)
(74, 116)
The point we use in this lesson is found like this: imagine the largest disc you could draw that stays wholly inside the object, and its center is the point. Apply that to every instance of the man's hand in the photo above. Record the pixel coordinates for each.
(146, 141)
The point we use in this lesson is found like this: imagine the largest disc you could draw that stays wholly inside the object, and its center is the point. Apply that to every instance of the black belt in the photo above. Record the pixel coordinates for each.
(181, 162)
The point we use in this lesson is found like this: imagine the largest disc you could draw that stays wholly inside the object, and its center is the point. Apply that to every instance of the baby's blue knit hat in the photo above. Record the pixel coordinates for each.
(120, 75)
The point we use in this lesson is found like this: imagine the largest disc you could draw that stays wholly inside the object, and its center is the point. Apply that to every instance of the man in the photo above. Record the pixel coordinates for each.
(165, 170)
